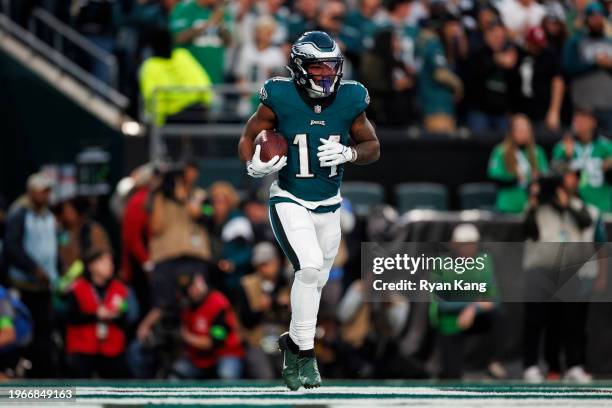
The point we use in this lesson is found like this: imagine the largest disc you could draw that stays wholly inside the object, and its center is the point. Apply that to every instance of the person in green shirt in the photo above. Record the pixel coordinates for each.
(584, 150)
(366, 20)
(455, 314)
(202, 27)
(303, 18)
(514, 164)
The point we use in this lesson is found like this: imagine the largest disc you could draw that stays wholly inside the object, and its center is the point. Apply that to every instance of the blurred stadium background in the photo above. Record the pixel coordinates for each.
(104, 103)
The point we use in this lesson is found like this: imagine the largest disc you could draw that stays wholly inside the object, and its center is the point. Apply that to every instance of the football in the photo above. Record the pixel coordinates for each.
(272, 144)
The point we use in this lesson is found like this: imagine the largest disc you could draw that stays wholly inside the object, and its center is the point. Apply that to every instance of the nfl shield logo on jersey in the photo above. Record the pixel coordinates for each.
(317, 108)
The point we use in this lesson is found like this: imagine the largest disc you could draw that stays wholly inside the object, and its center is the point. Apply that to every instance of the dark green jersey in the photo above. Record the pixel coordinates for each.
(303, 125)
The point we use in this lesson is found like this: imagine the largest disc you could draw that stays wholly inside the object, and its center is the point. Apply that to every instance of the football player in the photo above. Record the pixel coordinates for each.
(316, 111)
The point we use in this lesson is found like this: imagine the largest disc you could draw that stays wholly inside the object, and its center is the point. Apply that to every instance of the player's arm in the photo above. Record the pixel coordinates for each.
(263, 119)
(367, 147)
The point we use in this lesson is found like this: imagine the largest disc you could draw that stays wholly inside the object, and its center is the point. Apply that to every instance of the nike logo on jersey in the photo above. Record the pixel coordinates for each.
(317, 122)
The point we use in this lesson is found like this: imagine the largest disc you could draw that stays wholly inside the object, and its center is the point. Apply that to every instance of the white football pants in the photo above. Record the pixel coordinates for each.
(310, 240)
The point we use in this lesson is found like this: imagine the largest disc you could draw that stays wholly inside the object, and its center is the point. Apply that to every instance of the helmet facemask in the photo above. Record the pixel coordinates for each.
(322, 77)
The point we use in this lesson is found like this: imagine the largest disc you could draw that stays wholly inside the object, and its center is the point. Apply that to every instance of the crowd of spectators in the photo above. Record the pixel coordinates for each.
(201, 288)
(517, 164)
(442, 64)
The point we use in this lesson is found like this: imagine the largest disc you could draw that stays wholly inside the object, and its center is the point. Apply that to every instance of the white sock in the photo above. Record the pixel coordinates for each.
(305, 297)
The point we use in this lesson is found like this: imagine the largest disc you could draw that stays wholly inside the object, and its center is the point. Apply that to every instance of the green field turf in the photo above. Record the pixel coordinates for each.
(333, 394)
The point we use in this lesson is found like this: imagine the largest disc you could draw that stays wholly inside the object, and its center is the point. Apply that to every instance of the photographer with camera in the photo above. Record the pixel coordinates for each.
(264, 310)
(209, 332)
(97, 303)
(559, 226)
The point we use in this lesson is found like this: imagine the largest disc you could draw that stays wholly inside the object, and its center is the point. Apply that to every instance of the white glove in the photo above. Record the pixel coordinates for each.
(334, 153)
(257, 168)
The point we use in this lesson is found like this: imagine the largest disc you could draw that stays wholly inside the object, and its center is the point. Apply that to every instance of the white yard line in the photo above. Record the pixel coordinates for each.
(369, 391)
(420, 402)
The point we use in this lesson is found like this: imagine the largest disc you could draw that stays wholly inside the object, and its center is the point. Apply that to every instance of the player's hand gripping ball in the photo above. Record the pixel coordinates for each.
(270, 154)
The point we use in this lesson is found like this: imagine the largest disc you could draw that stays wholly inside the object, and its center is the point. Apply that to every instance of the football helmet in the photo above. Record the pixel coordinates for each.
(316, 64)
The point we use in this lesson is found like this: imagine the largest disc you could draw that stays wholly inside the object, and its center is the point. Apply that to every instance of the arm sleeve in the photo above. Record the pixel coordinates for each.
(362, 99)
(558, 152)
(13, 242)
(600, 231)
(178, 21)
(530, 226)
(497, 168)
(134, 229)
(573, 63)
(7, 313)
(542, 160)
(248, 317)
(266, 95)
(74, 315)
(581, 216)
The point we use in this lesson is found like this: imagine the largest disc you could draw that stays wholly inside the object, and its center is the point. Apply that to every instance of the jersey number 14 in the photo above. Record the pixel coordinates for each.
(301, 139)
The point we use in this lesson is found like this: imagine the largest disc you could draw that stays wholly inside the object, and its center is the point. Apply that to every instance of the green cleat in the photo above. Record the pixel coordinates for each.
(309, 372)
(291, 372)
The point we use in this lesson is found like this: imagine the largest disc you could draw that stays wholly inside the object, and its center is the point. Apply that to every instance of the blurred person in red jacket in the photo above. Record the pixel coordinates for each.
(135, 258)
(96, 321)
(209, 330)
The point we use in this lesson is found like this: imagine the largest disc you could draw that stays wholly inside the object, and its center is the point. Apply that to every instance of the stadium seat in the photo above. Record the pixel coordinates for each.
(363, 195)
(410, 196)
(230, 170)
(480, 196)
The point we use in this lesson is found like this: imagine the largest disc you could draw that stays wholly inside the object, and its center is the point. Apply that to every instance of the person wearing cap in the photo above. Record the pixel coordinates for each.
(566, 333)
(97, 305)
(31, 252)
(255, 208)
(209, 331)
(263, 310)
(587, 61)
(456, 314)
(519, 16)
(540, 86)
(585, 150)
(233, 233)
(554, 25)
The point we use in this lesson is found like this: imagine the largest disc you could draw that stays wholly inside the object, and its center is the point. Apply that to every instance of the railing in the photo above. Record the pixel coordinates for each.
(207, 128)
(62, 62)
(61, 32)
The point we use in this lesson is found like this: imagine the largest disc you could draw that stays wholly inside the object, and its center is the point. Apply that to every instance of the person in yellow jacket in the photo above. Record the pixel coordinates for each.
(172, 68)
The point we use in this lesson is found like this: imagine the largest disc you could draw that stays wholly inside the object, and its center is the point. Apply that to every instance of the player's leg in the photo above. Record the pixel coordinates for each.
(295, 232)
(327, 229)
